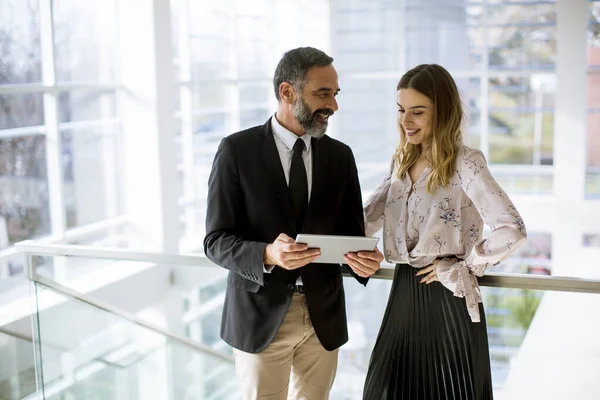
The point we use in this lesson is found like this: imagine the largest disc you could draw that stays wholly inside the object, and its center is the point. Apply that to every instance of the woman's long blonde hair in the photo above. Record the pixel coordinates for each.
(436, 83)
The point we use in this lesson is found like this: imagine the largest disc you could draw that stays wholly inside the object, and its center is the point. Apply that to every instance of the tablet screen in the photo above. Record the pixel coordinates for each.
(333, 247)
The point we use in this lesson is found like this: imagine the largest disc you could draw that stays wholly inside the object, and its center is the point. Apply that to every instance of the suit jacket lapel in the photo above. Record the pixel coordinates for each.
(275, 173)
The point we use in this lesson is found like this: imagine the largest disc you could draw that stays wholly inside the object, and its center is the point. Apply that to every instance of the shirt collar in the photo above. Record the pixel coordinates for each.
(287, 137)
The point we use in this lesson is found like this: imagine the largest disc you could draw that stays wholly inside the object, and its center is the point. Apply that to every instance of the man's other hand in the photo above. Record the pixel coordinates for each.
(364, 263)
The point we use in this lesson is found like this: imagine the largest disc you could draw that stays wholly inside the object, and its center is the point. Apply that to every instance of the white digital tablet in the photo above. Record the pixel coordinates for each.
(333, 248)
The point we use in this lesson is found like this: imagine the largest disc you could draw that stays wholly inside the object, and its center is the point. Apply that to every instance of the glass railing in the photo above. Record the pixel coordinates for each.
(17, 379)
(146, 325)
(110, 355)
(119, 344)
(541, 342)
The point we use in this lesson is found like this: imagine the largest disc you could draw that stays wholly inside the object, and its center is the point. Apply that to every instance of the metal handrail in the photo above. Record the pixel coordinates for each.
(492, 279)
(524, 281)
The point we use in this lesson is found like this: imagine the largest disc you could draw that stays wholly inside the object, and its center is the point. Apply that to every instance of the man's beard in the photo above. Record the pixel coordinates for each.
(308, 120)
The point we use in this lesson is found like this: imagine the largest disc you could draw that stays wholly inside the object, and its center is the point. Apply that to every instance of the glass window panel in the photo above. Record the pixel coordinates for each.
(91, 161)
(210, 96)
(592, 189)
(516, 179)
(20, 49)
(24, 208)
(250, 118)
(176, 30)
(209, 18)
(360, 60)
(592, 179)
(591, 240)
(84, 40)
(21, 110)
(470, 94)
(521, 121)
(594, 35)
(356, 18)
(206, 126)
(534, 257)
(522, 36)
(209, 58)
(359, 38)
(84, 105)
(367, 122)
(256, 93)
(532, 2)
(365, 35)
(253, 60)
(452, 37)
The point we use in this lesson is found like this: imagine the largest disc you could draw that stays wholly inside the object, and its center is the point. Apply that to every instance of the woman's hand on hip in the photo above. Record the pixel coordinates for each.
(429, 273)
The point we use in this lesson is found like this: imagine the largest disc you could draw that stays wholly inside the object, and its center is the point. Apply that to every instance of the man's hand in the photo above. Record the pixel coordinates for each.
(287, 254)
(364, 263)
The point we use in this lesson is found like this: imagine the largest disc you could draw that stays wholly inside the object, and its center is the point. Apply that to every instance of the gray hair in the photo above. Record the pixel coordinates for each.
(295, 64)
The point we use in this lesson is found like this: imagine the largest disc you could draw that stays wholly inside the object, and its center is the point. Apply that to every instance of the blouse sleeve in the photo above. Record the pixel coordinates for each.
(375, 206)
(498, 212)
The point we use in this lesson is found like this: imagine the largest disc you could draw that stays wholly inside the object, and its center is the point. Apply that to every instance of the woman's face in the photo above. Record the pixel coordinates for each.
(415, 115)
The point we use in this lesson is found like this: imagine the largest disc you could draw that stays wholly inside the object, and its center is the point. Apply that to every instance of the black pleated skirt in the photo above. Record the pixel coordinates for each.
(427, 347)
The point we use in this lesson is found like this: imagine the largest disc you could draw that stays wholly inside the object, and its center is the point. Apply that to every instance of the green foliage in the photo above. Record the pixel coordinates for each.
(522, 308)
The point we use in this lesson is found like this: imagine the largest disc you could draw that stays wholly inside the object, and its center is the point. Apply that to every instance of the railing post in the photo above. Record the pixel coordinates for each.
(30, 268)
(36, 329)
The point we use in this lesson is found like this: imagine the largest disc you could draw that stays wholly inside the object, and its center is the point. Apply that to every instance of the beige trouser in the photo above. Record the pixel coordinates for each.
(294, 351)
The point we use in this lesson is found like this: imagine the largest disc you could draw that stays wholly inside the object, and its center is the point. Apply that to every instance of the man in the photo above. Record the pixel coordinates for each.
(283, 314)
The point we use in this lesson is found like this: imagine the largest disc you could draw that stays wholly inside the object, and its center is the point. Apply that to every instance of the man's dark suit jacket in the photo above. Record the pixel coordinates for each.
(249, 206)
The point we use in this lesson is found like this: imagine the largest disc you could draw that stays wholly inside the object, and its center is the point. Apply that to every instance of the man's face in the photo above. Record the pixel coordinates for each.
(317, 103)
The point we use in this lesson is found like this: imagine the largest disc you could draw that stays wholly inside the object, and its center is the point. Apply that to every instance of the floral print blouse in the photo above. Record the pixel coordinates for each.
(419, 227)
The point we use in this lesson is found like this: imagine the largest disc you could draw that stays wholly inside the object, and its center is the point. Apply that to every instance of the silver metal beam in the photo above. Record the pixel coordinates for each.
(518, 281)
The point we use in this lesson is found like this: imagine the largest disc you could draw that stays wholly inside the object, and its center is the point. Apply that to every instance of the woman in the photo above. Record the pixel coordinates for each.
(431, 206)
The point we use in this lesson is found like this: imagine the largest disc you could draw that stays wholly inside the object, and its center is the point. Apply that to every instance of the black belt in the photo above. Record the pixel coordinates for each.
(297, 289)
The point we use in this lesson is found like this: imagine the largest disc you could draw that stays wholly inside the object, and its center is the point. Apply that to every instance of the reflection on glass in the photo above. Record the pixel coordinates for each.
(84, 40)
(21, 110)
(20, 50)
(24, 208)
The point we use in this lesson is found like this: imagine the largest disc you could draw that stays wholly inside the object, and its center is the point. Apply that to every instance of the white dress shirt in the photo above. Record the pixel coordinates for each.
(285, 140)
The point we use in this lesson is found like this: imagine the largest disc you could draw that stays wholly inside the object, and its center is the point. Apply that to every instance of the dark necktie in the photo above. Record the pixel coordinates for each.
(298, 185)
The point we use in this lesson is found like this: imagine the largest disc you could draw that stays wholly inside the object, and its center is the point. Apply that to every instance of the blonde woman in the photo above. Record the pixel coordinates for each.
(432, 205)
